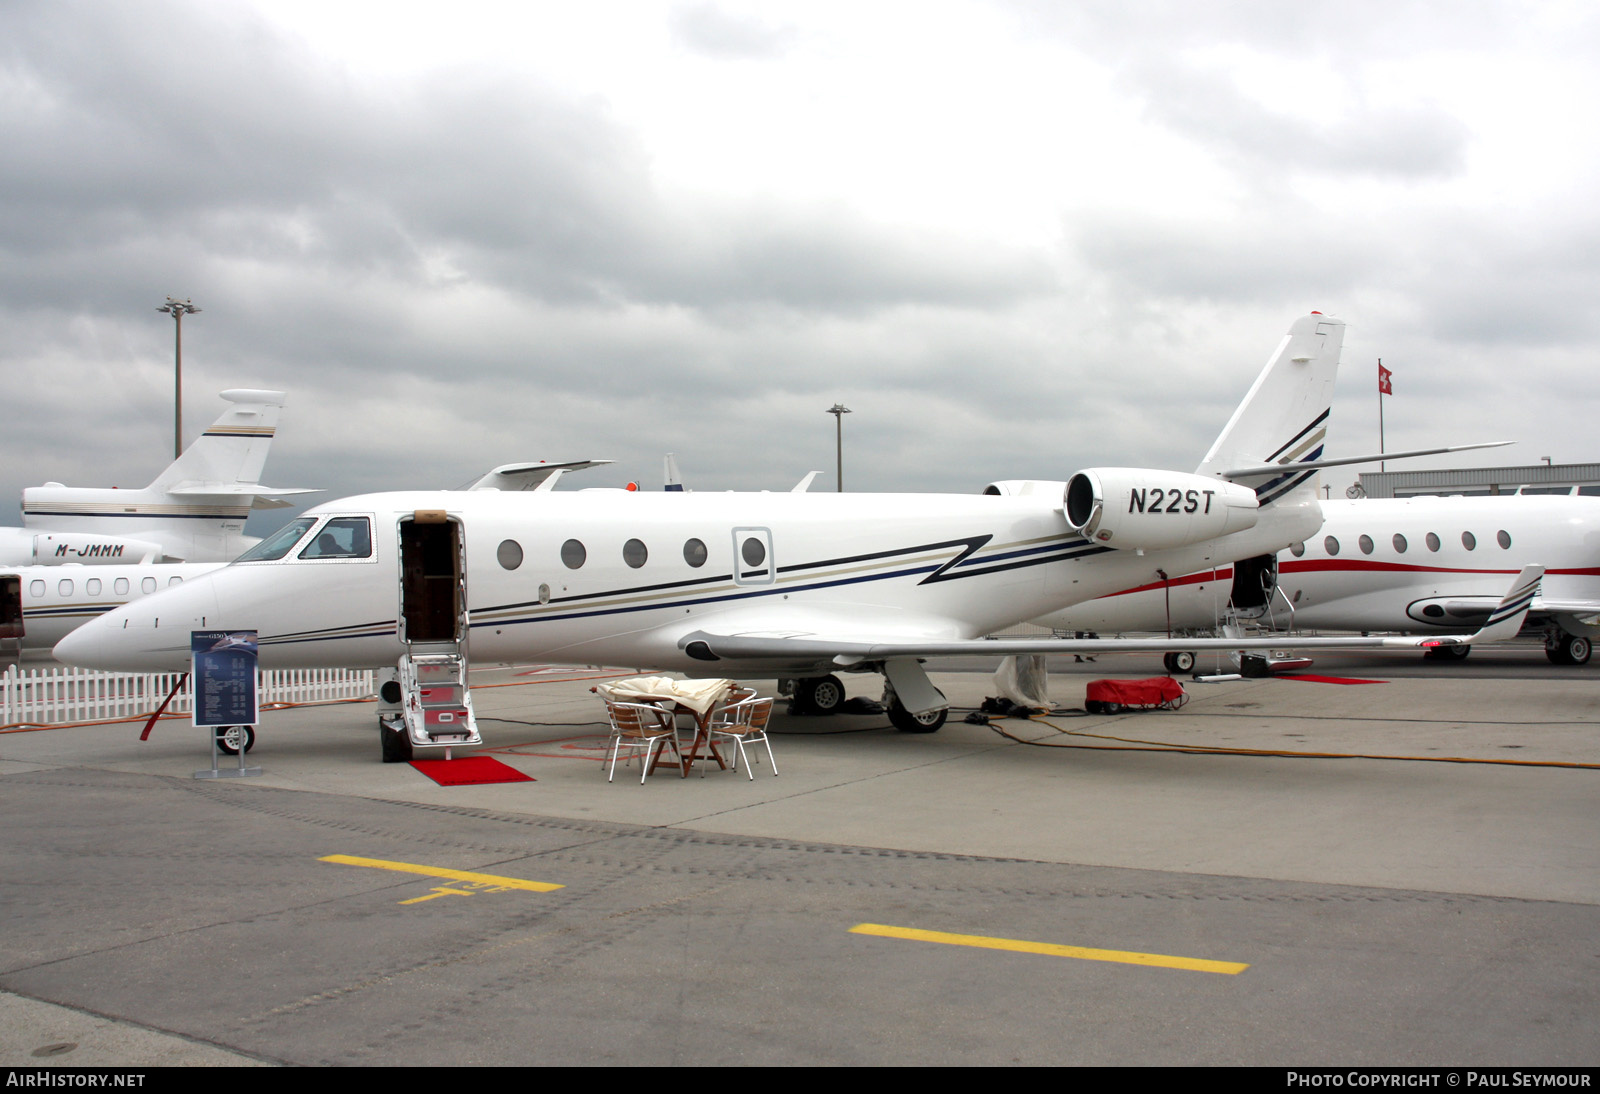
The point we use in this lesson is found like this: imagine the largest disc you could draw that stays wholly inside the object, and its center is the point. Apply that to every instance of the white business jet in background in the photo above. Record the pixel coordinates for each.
(738, 584)
(1423, 565)
(194, 511)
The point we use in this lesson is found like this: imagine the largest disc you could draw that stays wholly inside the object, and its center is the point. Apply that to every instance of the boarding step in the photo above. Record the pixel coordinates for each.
(437, 703)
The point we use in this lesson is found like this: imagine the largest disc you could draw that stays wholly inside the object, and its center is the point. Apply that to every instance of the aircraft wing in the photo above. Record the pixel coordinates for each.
(846, 649)
(1547, 606)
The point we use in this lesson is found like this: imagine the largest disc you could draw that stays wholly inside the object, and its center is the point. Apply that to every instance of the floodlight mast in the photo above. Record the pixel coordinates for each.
(177, 309)
(838, 410)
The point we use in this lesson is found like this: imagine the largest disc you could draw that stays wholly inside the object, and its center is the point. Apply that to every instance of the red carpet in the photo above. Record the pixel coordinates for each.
(469, 771)
(1327, 679)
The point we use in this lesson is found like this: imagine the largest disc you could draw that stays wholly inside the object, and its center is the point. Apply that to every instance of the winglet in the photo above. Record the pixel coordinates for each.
(1508, 616)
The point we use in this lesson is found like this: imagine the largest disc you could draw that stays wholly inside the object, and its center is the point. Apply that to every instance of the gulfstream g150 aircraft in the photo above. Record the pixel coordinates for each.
(193, 512)
(738, 584)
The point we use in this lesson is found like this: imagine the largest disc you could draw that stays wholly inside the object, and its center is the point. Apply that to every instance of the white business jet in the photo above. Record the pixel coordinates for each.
(738, 584)
(193, 512)
(1424, 565)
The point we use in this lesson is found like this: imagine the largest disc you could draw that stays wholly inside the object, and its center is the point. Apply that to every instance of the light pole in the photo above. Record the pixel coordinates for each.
(838, 410)
(177, 309)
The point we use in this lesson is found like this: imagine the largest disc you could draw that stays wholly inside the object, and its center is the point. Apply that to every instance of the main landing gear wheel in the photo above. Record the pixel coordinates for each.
(906, 722)
(1568, 649)
(1447, 653)
(230, 738)
(819, 694)
(396, 743)
(1180, 661)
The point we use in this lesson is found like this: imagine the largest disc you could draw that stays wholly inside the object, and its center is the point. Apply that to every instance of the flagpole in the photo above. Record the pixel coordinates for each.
(1381, 464)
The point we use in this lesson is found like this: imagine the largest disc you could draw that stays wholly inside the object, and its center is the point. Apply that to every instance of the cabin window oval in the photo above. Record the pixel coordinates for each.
(65, 588)
(1503, 538)
(509, 554)
(1469, 541)
(1366, 543)
(171, 581)
(1297, 548)
(35, 588)
(92, 586)
(634, 553)
(694, 553)
(573, 554)
(1399, 544)
(754, 552)
(148, 585)
(1330, 545)
(121, 586)
(1432, 541)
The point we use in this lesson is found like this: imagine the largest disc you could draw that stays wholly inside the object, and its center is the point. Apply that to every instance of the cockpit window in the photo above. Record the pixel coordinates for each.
(278, 544)
(341, 537)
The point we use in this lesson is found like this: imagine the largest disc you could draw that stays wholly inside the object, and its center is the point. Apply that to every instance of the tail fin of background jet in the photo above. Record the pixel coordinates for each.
(197, 507)
(233, 449)
(1284, 418)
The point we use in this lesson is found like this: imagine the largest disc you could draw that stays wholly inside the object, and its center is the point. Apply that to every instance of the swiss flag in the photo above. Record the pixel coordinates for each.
(1385, 380)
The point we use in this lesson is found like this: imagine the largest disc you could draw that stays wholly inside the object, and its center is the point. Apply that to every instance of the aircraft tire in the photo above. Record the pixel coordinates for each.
(396, 745)
(1179, 661)
(1460, 653)
(228, 738)
(819, 694)
(906, 722)
(1569, 649)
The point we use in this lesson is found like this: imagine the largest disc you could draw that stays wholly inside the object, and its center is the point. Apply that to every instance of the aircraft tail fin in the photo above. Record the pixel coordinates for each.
(232, 451)
(1284, 419)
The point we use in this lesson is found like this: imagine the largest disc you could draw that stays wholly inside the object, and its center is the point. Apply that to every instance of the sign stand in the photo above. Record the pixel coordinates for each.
(225, 700)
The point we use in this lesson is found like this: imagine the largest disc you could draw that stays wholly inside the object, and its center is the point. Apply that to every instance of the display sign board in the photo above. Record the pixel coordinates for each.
(224, 678)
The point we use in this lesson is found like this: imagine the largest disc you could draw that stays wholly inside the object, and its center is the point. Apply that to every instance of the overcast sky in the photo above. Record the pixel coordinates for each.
(1016, 239)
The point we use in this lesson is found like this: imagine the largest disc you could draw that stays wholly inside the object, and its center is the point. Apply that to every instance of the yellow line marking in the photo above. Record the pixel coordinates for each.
(438, 891)
(1016, 945)
(440, 871)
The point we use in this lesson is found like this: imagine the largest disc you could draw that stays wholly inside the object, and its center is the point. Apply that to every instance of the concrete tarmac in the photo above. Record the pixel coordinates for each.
(1417, 881)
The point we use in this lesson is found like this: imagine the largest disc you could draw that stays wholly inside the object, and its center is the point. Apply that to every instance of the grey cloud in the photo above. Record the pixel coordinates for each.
(709, 29)
(1206, 106)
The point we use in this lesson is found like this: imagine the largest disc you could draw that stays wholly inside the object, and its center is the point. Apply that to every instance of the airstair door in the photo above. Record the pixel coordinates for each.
(436, 702)
(433, 589)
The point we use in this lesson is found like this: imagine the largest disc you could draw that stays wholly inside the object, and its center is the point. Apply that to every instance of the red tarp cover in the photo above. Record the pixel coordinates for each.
(1135, 693)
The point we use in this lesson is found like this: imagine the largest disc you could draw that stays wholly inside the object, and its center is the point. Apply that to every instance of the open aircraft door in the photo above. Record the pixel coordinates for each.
(436, 705)
(433, 581)
(11, 623)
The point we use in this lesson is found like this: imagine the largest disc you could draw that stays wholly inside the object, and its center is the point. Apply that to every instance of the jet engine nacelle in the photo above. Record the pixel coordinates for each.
(1132, 508)
(25, 547)
(1022, 488)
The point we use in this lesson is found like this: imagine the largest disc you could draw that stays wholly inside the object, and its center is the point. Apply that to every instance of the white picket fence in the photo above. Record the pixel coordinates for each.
(57, 694)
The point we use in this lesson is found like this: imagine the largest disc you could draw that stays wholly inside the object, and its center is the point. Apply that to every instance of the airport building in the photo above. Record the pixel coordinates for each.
(1539, 478)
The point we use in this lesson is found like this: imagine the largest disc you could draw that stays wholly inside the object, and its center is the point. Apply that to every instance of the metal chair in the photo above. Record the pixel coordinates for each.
(743, 723)
(641, 726)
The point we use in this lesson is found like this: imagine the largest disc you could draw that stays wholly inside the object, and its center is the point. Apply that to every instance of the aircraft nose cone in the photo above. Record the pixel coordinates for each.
(147, 635)
(82, 647)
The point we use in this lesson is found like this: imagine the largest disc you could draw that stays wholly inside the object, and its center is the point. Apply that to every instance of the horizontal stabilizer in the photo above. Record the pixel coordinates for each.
(237, 489)
(1372, 457)
(528, 476)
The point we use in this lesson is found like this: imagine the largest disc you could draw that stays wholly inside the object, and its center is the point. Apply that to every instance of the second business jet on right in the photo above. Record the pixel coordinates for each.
(1412, 565)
